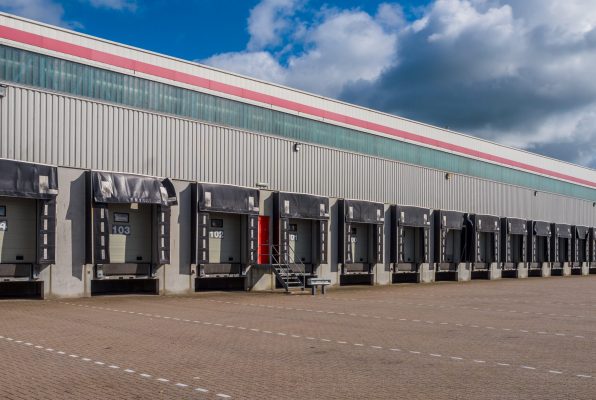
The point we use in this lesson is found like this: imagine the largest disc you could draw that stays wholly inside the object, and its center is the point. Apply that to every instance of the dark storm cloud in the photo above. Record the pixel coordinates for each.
(492, 71)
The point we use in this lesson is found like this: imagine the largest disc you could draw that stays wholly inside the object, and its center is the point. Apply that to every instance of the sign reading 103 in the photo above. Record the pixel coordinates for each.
(121, 230)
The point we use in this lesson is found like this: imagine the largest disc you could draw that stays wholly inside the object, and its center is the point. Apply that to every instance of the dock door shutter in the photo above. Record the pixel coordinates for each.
(202, 238)
(378, 244)
(101, 234)
(322, 242)
(162, 219)
(284, 241)
(253, 238)
(46, 240)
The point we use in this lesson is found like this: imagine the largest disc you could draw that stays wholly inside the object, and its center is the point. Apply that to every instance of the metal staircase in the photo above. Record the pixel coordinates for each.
(287, 277)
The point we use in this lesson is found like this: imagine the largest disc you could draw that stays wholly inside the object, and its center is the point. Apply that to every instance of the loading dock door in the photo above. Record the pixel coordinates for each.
(486, 247)
(517, 248)
(563, 249)
(413, 244)
(130, 233)
(225, 238)
(453, 246)
(18, 230)
(360, 240)
(542, 249)
(581, 250)
(129, 219)
(300, 239)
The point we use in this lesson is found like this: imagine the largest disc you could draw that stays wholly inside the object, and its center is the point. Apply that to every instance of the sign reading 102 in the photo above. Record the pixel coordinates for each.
(121, 230)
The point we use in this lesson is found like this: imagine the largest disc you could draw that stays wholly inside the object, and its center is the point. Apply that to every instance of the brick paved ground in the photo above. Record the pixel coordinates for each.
(509, 339)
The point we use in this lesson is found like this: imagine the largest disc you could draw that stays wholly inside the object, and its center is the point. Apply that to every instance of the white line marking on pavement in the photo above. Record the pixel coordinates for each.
(436, 355)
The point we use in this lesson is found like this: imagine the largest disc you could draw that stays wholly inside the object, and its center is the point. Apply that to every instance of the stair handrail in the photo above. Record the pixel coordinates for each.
(276, 260)
(302, 267)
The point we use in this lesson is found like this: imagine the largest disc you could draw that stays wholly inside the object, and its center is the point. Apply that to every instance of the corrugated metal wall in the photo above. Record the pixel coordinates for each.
(66, 131)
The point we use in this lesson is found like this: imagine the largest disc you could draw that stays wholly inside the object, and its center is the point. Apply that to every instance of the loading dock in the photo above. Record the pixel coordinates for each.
(514, 253)
(450, 246)
(128, 231)
(410, 244)
(224, 235)
(484, 245)
(300, 231)
(27, 226)
(580, 250)
(360, 240)
(539, 249)
(561, 248)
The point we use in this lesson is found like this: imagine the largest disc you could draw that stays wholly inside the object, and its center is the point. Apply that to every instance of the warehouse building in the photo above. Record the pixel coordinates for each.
(124, 170)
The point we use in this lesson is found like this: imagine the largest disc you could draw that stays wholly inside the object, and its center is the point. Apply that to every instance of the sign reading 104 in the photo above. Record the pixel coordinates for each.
(121, 230)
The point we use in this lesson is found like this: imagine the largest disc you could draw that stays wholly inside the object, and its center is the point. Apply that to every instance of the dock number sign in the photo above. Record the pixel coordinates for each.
(3, 226)
(121, 230)
(216, 234)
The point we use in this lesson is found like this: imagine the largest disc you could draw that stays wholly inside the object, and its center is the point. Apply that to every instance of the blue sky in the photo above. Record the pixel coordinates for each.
(519, 72)
(191, 30)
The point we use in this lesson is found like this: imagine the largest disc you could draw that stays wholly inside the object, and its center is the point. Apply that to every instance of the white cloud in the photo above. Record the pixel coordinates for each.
(347, 46)
(257, 64)
(46, 11)
(336, 47)
(120, 5)
(268, 21)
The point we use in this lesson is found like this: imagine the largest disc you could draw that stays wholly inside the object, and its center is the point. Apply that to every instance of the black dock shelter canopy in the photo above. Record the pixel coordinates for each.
(28, 180)
(227, 198)
(111, 187)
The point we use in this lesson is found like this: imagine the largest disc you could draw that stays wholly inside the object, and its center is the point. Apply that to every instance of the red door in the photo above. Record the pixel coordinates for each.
(263, 240)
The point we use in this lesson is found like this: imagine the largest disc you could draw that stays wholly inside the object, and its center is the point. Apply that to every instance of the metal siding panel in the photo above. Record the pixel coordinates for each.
(57, 129)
